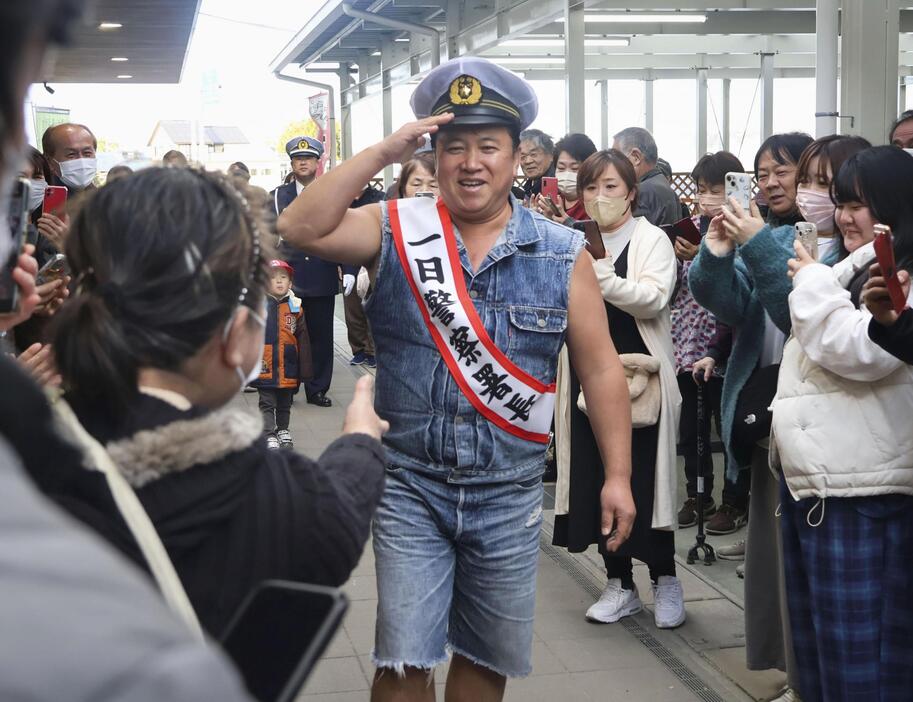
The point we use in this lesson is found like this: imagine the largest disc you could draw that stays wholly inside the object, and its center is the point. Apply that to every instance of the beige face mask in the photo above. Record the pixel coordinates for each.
(607, 211)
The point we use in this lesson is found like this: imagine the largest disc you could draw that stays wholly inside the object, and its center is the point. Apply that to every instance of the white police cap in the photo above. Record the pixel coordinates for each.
(477, 91)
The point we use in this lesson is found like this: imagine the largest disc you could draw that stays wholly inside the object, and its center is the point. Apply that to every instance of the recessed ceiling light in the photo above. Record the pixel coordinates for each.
(119, 58)
(628, 17)
(110, 25)
(124, 77)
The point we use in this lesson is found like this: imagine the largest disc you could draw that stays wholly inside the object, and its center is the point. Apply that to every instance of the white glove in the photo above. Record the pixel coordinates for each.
(348, 284)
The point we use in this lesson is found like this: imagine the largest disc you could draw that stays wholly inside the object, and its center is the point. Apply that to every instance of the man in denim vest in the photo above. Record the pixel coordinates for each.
(462, 373)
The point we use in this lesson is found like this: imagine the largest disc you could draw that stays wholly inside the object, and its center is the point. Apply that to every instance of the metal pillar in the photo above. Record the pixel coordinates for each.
(604, 113)
(648, 104)
(386, 59)
(727, 110)
(575, 90)
(902, 96)
(767, 95)
(701, 112)
(826, 29)
(868, 78)
(345, 111)
(454, 24)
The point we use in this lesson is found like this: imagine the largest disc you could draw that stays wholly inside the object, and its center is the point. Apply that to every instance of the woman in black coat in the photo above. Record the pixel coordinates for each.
(165, 328)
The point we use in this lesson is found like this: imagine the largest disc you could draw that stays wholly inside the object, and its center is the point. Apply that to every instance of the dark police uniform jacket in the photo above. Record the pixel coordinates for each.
(314, 277)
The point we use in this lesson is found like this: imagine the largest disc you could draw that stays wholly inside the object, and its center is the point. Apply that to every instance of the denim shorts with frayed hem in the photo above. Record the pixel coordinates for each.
(456, 571)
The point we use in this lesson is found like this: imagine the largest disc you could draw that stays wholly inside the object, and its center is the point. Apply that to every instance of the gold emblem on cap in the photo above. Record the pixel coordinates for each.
(303, 145)
(465, 90)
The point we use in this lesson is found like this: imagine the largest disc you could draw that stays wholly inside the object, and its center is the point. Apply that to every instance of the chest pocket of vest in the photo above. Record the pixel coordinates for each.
(536, 334)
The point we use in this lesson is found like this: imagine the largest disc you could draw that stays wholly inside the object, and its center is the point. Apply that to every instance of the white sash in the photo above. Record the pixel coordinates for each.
(500, 391)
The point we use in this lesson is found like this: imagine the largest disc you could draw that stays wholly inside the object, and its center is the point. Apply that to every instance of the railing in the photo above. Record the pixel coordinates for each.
(682, 184)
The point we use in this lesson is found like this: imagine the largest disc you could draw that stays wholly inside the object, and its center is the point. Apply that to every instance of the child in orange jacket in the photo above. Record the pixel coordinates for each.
(286, 356)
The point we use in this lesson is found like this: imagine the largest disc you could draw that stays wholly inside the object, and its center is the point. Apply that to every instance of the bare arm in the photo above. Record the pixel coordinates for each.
(603, 381)
(319, 220)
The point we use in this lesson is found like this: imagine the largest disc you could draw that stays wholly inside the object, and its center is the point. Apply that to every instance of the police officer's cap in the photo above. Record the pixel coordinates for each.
(304, 146)
(478, 92)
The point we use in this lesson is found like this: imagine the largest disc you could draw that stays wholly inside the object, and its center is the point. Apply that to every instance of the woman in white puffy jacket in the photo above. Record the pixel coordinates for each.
(843, 437)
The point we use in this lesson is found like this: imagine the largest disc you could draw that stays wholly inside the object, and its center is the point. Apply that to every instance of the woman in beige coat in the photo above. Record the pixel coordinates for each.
(637, 278)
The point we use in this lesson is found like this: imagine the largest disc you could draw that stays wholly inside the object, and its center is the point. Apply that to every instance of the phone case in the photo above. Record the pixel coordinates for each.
(686, 229)
(884, 252)
(738, 186)
(550, 188)
(807, 234)
(55, 199)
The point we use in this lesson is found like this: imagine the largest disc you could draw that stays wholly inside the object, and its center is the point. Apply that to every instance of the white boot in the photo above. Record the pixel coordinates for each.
(668, 602)
(614, 603)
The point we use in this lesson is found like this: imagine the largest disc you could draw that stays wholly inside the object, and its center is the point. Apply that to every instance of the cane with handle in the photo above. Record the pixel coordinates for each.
(701, 545)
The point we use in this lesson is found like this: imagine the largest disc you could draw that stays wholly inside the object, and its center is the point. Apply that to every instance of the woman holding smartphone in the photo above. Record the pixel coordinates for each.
(847, 496)
(637, 278)
(819, 164)
(570, 153)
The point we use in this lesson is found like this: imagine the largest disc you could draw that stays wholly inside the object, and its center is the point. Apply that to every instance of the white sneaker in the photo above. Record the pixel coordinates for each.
(668, 602)
(787, 695)
(736, 552)
(272, 442)
(614, 603)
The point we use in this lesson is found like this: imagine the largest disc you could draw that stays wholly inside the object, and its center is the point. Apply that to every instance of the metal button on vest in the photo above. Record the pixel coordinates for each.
(473, 294)
(540, 323)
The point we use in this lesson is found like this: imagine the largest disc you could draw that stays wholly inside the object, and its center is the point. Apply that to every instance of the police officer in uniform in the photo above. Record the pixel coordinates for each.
(316, 281)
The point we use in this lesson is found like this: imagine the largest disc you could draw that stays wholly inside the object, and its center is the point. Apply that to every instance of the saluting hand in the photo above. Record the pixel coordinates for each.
(402, 144)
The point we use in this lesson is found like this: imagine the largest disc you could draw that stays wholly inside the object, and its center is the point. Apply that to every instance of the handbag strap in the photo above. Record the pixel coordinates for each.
(135, 516)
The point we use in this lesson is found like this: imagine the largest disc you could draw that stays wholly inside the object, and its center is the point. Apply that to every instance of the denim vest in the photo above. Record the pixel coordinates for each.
(521, 294)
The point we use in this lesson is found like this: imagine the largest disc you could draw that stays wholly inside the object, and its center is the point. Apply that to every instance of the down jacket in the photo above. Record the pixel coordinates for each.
(841, 416)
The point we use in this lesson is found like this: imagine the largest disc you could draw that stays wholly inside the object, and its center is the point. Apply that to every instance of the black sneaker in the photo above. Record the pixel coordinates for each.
(285, 439)
(687, 515)
(727, 520)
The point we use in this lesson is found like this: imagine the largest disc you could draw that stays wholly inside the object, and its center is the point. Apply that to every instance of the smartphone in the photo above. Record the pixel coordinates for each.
(425, 193)
(738, 186)
(18, 219)
(593, 236)
(686, 229)
(884, 252)
(55, 200)
(279, 633)
(550, 188)
(807, 234)
(53, 270)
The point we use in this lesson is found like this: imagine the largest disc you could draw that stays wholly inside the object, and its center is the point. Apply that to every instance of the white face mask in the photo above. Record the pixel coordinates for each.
(78, 173)
(607, 211)
(254, 372)
(567, 182)
(817, 208)
(36, 194)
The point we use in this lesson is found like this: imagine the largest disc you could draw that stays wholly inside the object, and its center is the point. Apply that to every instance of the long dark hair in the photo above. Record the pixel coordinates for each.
(161, 261)
(880, 177)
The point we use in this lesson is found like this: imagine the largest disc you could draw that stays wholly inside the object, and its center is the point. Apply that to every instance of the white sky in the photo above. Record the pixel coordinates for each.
(251, 98)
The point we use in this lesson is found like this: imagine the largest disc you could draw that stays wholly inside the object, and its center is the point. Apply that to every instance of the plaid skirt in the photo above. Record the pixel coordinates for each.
(849, 584)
